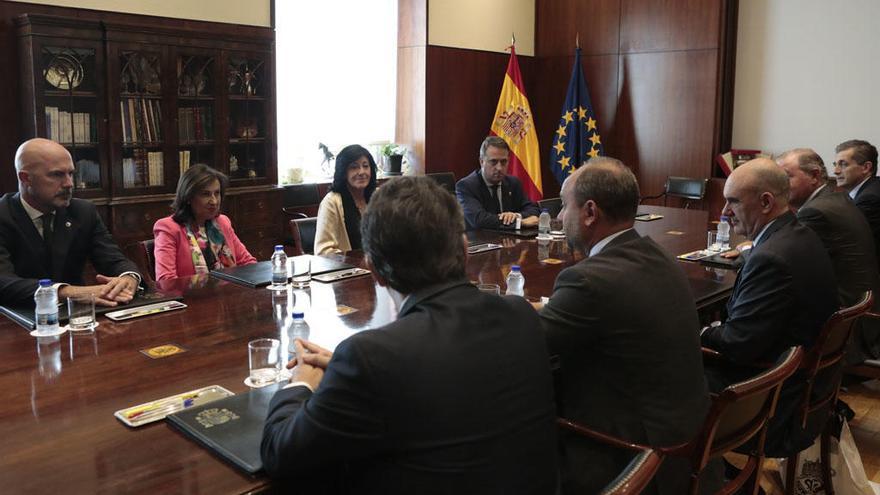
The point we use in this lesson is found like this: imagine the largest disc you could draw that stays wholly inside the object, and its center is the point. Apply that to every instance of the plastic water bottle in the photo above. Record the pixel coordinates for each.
(544, 224)
(724, 234)
(46, 299)
(516, 283)
(279, 267)
(299, 329)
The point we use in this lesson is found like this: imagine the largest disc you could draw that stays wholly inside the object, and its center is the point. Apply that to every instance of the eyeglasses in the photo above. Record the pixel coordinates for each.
(842, 164)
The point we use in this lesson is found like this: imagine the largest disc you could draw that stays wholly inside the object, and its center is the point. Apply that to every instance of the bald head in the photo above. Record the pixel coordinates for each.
(45, 174)
(756, 193)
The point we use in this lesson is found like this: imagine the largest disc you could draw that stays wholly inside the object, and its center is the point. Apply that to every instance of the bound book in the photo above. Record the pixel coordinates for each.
(231, 428)
(260, 274)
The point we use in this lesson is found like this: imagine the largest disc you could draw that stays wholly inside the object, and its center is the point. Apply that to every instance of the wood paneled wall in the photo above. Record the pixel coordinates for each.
(659, 74)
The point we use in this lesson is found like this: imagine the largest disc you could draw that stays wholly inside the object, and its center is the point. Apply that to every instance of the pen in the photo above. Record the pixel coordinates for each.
(158, 404)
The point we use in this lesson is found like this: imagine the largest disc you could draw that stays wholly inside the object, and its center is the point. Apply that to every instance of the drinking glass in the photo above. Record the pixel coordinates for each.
(81, 310)
(302, 271)
(490, 288)
(264, 362)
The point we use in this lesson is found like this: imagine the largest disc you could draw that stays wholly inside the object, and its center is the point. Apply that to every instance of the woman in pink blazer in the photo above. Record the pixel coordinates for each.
(197, 238)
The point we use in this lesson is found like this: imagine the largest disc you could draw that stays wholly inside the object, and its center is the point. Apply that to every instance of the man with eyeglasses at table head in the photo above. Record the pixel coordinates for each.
(856, 169)
(491, 199)
(455, 396)
(46, 233)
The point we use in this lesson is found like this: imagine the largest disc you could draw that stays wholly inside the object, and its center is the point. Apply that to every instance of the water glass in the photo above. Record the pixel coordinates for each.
(712, 241)
(81, 310)
(301, 270)
(264, 361)
(490, 288)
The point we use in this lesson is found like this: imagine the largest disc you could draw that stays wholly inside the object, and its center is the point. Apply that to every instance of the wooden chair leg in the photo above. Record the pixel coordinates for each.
(791, 473)
(825, 457)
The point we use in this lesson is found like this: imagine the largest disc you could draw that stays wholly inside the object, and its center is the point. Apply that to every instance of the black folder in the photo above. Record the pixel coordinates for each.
(719, 261)
(231, 428)
(527, 232)
(260, 274)
(24, 316)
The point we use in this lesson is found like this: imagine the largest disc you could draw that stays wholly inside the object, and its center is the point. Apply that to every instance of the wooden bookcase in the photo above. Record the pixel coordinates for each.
(141, 102)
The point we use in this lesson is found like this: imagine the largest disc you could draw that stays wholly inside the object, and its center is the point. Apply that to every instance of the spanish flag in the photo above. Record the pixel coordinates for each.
(514, 123)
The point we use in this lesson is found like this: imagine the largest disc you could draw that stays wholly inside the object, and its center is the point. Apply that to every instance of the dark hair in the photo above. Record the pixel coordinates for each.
(412, 233)
(863, 151)
(196, 178)
(495, 142)
(346, 157)
(611, 184)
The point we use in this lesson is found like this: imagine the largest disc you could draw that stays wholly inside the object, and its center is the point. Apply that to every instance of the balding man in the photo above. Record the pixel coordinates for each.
(45, 233)
(624, 326)
(783, 295)
(845, 233)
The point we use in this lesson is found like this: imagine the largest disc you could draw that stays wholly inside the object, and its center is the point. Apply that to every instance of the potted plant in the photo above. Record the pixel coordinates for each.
(393, 154)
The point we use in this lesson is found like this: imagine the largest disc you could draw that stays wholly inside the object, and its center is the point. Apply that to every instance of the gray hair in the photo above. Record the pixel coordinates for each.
(495, 142)
(611, 184)
(807, 160)
(412, 232)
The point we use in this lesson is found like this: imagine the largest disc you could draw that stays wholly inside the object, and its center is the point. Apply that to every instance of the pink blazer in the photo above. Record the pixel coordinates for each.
(172, 252)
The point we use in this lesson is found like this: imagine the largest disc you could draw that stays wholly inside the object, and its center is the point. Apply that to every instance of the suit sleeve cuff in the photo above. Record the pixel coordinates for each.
(298, 384)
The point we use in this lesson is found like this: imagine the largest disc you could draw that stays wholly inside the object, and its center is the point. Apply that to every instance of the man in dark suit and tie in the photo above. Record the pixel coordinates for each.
(453, 397)
(491, 199)
(783, 295)
(856, 169)
(45, 233)
(846, 235)
(624, 326)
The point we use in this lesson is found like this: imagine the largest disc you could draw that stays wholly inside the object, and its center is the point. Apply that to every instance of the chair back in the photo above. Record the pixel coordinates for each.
(300, 195)
(142, 254)
(553, 205)
(636, 476)
(742, 410)
(685, 187)
(822, 363)
(445, 179)
(303, 231)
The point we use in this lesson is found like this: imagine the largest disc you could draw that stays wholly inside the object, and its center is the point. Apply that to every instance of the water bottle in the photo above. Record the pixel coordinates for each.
(515, 282)
(279, 267)
(724, 234)
(544, 224)
(46, 299)
(299, 329)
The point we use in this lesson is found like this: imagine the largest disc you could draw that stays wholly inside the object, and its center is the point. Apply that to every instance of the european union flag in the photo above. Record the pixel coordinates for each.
(577, 137)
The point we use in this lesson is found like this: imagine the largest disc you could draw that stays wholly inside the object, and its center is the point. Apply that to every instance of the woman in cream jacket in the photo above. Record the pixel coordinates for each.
(339, 215)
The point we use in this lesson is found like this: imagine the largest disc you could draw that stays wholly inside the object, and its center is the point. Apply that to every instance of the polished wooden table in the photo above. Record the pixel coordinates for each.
(58, 395)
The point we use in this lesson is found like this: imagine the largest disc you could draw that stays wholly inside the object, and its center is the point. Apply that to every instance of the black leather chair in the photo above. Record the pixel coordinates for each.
(686, 188)
(445, 179)
(142, 254)
(553, 205)
(303, 231)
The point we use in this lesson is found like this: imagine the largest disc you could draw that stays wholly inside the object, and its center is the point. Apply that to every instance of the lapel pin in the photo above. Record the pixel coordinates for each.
(67, 224)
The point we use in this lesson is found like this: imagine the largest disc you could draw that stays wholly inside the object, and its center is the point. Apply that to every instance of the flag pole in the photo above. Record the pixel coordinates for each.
(577, 40)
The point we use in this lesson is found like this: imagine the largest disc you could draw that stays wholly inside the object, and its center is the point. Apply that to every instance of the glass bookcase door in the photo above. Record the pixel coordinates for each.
(141, 119)
(71, 106)
(196, 110)
(247, 85)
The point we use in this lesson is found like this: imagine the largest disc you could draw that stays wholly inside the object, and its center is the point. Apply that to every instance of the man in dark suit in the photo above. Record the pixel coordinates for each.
(45, 233)
(845, 234)
(783, 295)
(491, 199)
(624, 326)
(455, 396)
(856, 169)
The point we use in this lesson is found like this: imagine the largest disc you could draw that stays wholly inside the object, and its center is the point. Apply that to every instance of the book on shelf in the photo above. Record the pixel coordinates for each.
(156, 171)
(183, 160)
(141, 120)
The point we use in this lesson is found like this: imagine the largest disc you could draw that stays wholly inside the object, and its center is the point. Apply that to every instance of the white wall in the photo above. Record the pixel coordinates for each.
(807, 74)
(482, 25)
(249, 12)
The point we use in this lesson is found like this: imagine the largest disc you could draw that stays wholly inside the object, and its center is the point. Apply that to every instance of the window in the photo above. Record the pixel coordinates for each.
(336, 63)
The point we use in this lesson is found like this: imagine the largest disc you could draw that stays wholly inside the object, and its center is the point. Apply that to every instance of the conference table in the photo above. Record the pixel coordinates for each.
(58, 395)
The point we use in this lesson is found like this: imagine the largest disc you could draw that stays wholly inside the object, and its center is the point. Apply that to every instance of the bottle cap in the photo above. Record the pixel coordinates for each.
(279, 247)
(724, 218)
(45, 282)
(545, 210)
(299, 315)
(514, 268)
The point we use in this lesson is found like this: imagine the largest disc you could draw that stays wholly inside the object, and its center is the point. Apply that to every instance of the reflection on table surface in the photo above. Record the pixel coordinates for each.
(58, 394)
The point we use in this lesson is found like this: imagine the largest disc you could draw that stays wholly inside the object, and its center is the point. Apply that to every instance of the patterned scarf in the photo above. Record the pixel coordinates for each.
(208, 247)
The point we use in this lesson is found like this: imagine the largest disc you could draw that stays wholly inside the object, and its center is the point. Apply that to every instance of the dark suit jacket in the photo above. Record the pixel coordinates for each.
(481, 208)
(625, 328)
(783, 295)
(79, 235)
(868, 201)
(453, 397)
(850, 244)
